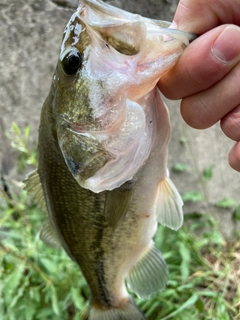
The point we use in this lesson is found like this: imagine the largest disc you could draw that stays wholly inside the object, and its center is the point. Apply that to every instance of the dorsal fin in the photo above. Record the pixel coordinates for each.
(149, 275)
(117, 203)
(34, 187)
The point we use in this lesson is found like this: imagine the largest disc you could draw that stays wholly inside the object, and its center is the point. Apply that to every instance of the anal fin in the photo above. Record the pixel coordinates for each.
(168, 205)
(149, 275)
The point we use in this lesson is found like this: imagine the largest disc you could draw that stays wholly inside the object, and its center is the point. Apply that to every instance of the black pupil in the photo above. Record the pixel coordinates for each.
(72, 62)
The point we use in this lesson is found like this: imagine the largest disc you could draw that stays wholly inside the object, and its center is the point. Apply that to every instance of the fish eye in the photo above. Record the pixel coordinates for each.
(72, 62)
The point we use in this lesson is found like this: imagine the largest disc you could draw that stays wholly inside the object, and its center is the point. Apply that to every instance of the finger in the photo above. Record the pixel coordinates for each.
(207, 107)
(234, 157)
(204, 62)
(199, 16)
(230, 124)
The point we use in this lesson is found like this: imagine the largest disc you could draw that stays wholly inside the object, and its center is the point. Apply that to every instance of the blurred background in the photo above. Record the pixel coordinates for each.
(30, 37)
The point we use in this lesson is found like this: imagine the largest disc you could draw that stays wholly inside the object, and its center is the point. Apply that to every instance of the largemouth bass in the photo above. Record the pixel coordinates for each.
(103, 142)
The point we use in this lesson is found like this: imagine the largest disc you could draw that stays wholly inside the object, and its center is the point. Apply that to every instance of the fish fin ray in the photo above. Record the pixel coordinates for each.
(168, 205)
(127, 312)
(49, 236)
(117, 203)
(34, 187)
(149, 275)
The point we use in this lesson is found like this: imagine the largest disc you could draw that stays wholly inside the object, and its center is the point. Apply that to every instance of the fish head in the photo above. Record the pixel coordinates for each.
(103, 87)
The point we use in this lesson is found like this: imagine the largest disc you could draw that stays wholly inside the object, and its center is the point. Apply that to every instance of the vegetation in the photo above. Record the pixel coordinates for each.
(38, 282)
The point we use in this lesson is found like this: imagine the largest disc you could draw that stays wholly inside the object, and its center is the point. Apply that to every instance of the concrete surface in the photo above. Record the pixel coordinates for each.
(30, 37)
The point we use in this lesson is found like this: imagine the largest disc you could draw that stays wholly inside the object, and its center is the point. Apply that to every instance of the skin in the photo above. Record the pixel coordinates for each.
(207, 75)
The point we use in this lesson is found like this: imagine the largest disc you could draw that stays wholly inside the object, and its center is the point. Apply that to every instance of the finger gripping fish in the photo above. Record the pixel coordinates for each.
(103, 140)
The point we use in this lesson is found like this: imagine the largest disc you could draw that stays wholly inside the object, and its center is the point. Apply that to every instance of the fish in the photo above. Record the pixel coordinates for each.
(103, 142)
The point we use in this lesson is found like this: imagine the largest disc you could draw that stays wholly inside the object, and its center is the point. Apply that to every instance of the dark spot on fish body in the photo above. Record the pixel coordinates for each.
(73, 165)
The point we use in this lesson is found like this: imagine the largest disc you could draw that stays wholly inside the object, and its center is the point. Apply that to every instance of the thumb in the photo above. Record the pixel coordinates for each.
(199, 16)
(203, 63)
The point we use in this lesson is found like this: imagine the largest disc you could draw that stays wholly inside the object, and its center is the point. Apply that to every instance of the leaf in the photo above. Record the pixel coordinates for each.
(152, 308)
(199, 305)
(49, 265)
(193, 216)
(236, 214)
(12, 282)
(54, 301)
(183, 140)
(208, 173)
(191, 301)
(30, 309)
(226, 203)
(214, 236)
(19, 292)
(180, 167)
(186, 261)
(15, 128)
(26, 132)
(192, 196)
(77, 298)
(209, 293)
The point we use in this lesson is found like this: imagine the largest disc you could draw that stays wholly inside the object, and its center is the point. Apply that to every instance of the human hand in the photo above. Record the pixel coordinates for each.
(207, 75)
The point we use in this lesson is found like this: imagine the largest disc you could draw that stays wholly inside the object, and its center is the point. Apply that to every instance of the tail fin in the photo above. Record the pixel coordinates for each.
(128, 312)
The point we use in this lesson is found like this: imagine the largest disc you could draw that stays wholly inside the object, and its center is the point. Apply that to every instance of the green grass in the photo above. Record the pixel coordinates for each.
(38, 282)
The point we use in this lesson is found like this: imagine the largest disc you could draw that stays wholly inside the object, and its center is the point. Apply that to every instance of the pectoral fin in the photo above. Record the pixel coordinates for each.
(34, 187)
(117, 203)
(168, 205)
(149, 275)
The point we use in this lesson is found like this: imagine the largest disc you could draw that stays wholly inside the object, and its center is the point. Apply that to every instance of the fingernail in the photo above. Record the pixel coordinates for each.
(227, 45)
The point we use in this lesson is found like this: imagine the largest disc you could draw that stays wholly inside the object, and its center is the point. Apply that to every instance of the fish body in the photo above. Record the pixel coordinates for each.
(103, 141)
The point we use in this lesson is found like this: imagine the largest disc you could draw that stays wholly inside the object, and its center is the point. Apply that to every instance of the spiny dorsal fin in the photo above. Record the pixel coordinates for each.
(149, 275)
(168, 205)
(49, 236)
(117, 203)
(34, 187)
